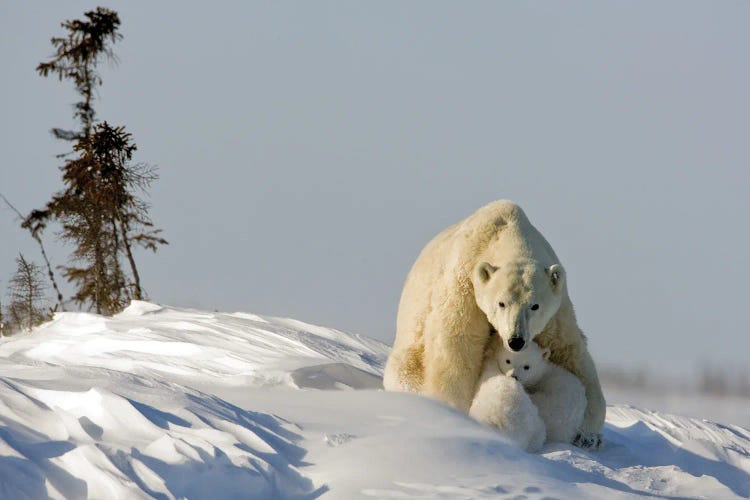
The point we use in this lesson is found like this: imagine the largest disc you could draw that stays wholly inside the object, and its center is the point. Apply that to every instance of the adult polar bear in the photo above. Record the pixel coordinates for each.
(493, 271)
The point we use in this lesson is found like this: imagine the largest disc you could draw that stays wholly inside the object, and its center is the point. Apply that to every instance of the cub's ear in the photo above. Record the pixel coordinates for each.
(556, 276)
(483, 272)
(546, 352)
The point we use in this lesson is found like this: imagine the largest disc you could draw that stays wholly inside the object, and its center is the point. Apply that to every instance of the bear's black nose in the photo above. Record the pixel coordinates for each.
(516, 343)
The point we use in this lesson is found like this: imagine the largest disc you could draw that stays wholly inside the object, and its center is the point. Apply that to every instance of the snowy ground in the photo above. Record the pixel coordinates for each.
(171, 403)
(725, 409)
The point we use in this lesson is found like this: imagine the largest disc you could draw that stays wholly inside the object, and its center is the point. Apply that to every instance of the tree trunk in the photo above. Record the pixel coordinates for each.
(51, 274)
(137, 293)
(30, 294)
(98, 265)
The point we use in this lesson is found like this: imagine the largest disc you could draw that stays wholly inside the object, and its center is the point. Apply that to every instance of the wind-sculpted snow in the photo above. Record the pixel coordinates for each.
(106, 441)
(160, 402)
(194, 346)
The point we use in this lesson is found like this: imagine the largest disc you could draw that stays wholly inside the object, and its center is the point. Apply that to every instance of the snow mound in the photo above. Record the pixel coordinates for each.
(196, 347)
(160, 402)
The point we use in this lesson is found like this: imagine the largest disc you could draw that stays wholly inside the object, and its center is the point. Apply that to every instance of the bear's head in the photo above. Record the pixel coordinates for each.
(527, 366)
(519, 298)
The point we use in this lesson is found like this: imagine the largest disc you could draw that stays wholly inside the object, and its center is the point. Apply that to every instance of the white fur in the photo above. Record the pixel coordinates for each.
(451, 298)
(502, 402)
(558, 395)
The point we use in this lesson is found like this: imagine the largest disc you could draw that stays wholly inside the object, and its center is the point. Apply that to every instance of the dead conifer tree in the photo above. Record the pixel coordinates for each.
(2, 321)
(38, 238)
(126, 211)
(99, 209)
(103, 217)
(27, 294)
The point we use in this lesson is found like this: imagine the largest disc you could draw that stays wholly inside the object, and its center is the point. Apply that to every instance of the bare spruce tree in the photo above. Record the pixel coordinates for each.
(38, 238)
(3, 331)
(27, 294)
(127, 213)
(99, 208)
(103, 217)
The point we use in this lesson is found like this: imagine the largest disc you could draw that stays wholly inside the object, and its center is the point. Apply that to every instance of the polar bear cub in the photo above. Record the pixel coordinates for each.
(558, 395)
(502, 402)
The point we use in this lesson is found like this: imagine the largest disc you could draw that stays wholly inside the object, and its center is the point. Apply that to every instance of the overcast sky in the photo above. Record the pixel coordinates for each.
(309, 150)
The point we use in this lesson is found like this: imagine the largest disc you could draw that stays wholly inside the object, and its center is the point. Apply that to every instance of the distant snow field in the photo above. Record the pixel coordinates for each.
(161, 402)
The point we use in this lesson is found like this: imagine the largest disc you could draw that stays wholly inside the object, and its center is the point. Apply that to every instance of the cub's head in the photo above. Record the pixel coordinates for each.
(527, 366)
(519, 298)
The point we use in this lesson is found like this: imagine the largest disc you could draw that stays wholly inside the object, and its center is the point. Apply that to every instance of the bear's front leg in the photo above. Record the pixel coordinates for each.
(453, 353)
(590, 433)
(450, 382)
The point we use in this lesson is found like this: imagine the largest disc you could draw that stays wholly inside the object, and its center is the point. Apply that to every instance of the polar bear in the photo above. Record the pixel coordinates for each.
(502, 402)
(493, 271)
(557, 394)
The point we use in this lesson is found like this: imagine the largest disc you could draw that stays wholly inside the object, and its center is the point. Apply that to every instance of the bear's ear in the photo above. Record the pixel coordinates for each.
(546, 352)
(484, 271)
(556, 276)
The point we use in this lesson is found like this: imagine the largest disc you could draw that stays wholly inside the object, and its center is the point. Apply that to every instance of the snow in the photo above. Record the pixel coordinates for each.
(719, 408)
(162, 402)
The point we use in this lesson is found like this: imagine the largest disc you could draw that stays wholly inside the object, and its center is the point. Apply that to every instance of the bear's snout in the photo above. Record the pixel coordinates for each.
(516, 343)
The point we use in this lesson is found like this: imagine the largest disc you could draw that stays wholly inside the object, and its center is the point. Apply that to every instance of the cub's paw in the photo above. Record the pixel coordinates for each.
(588, 441)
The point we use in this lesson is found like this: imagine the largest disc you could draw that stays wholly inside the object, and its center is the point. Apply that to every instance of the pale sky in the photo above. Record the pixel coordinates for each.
(309, 150)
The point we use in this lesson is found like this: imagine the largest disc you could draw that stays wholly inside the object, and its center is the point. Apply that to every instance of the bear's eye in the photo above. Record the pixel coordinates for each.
(501, 304)
(526, 367)
(507, 361)
(535, 307)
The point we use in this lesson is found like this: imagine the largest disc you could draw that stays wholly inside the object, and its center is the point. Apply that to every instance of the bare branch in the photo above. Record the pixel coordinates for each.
(38, 239)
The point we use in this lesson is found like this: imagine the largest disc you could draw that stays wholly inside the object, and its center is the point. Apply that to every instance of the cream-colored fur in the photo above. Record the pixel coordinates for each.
(503, 403)
(557, 394)
(450, 303)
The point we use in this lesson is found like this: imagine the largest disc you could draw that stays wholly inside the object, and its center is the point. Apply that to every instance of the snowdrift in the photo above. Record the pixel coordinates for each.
(160, 402)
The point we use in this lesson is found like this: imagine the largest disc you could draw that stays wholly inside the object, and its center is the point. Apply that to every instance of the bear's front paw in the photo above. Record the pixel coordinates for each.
(588, 441)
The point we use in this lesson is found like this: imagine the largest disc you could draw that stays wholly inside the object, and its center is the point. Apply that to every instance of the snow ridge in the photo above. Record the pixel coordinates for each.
(161, 402)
